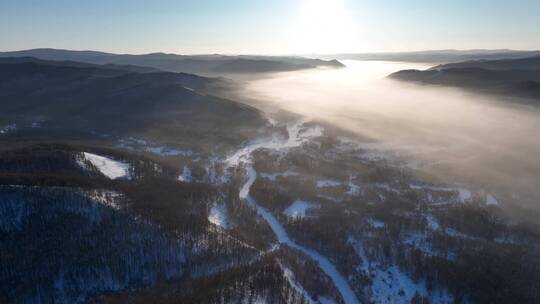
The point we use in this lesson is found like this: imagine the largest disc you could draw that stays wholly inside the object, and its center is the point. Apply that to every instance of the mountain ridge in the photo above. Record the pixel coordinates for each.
(96, 100)
(440, 56)
(196, 64)
(507, 77)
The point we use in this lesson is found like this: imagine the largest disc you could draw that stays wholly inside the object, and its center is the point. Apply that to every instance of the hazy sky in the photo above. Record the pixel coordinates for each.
(269, 26)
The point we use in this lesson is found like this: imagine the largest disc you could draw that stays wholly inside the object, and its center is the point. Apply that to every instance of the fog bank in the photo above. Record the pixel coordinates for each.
(479, 141)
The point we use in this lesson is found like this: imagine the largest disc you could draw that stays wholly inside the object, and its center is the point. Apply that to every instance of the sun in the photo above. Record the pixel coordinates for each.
(323, 26)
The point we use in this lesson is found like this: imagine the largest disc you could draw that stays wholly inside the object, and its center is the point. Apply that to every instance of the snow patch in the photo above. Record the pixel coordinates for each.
(353, 189)
(432, 222)
(219, 216)
(298, 209)
(376, 223)
(491, 200)
(330, 198)
(463, 194)
(111, 168)
(271, 121)
(328, 183)
(454, 233)
(8, 128)
(420, 242)
(391, 285)
(289, 275)
(167, 151)
(105, 197)
(274, 176)
(297, 136)
(186, 175)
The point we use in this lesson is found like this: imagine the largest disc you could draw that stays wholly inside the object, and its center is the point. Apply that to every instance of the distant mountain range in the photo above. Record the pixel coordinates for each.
(124, 183)
(513, 77)
(128, 68)
(198, 64)
(528, 63)
(439, 56)
(79, 98)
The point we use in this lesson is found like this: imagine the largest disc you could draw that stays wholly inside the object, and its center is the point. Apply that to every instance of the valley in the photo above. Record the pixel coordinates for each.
(186, 189)
(269, 152)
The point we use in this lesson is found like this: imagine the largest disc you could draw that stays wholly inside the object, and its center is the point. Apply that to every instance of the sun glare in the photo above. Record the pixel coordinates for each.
(323, 26)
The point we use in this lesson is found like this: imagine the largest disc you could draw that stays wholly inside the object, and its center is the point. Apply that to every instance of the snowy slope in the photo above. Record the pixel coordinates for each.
(298, 209)
(111, 168)
(218, 216)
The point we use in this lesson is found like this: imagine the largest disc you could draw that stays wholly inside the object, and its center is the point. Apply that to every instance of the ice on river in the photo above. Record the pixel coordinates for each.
(327, 267)
(298, 135)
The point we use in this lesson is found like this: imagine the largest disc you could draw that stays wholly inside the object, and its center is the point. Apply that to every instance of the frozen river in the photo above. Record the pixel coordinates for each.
(297, 135)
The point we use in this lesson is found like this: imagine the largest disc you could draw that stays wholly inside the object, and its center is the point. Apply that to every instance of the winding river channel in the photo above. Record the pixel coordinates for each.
(297, 135)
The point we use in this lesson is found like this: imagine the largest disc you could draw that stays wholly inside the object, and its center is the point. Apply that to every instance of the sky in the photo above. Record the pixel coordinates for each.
(269, 26)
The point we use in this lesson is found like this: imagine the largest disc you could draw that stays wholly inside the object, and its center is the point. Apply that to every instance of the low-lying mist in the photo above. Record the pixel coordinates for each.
(483, 142)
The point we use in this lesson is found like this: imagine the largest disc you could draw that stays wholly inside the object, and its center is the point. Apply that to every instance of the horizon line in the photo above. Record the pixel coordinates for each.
(276, 54)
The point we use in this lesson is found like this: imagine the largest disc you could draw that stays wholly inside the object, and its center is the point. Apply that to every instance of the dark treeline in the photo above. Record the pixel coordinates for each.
(475, 251)
(262, 280)
(68, 232)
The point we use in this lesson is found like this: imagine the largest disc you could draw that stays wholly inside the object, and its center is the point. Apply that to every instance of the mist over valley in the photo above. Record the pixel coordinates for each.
(269, 152)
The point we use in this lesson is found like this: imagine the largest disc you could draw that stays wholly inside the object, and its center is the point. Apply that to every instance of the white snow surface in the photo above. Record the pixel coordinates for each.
(289, 275)
(213, 172)
(218, 216)
(330, 198)
(298, 135)
(325, 183)
(111, 168)
(8, 128)
(167, 151)
(376, 223)
(432, 222)
(491, 200)
(186, 175)
(105, 197)
(463, 194)
(298, 209)
(391, 285)
(353, 189)
(274, 176)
